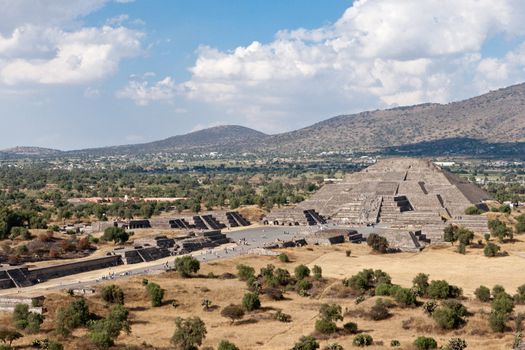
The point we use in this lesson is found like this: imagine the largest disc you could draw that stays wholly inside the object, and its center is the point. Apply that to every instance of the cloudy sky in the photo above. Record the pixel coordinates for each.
(87, 73)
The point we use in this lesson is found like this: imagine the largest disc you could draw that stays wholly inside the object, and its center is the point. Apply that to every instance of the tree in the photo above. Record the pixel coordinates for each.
(233, 312)
(251, 301)
(112, 294)
(103, 332)
(7, 336)
(499, 229)
(306, 343)
(482, 293)
(156, 294)
(377, 243)
(189, 333)
(115, 234)
(74, 315)
(301, 272)
(187, 265)
(226, 345)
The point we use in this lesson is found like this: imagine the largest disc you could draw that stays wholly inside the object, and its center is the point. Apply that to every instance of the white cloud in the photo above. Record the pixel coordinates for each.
(378, 54)
(142, 92)
(41, 43)
(85, 55)
(45, 13)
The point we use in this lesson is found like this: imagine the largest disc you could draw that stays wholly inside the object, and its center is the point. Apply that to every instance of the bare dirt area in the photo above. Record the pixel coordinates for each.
(259, 329)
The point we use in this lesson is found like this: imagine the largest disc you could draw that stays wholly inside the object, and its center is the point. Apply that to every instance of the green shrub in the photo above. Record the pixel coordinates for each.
(420, 283)
(520, 227)
(284, 258)
(425, 343)
(377, 243)
(473, 211)
(115, 234)
(226, 345)
(367, 279)
(350, 327)
(482, 293)
(497, 289)
(318, 272)
(325, 326)
(379, 311)
(503, 303)
(498, 321)
(440, 289)
(331, 312)
(520, 294)
(334, 346)
(251, 301)
(233, 312)
(394, 343)
(306, 343)
(405, 297)
(456, 344)
(301, 272)
(112, 294)
(282, 317)
(303, 286)
(383, 289)
(450, 315)
(362, 340)
(491, 249)
(429, 307)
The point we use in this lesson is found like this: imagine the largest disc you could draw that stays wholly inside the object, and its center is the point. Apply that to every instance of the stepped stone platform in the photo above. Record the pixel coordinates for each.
(21, 276)
(212, 220)
(401, 194)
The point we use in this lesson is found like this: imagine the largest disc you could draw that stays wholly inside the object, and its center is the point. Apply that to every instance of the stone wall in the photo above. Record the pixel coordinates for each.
(68, 269)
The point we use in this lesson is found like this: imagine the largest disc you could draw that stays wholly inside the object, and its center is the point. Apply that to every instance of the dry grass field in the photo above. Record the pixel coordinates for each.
(259, 330)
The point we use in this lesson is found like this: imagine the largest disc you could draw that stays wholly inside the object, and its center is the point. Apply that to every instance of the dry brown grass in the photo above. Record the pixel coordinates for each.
(258, 330)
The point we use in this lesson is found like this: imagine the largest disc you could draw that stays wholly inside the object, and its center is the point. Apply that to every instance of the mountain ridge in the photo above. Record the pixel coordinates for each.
(495, 117)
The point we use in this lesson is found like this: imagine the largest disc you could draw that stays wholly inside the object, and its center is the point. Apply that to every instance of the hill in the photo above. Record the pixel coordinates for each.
(490, 124)
(29, 151)
(225, 138)
(495, 117)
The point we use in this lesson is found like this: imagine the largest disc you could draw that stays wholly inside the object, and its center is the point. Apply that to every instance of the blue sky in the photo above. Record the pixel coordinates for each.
(76, 74)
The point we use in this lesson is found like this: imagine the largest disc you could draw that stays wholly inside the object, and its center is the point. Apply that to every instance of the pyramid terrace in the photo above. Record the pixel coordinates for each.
(395, 194)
